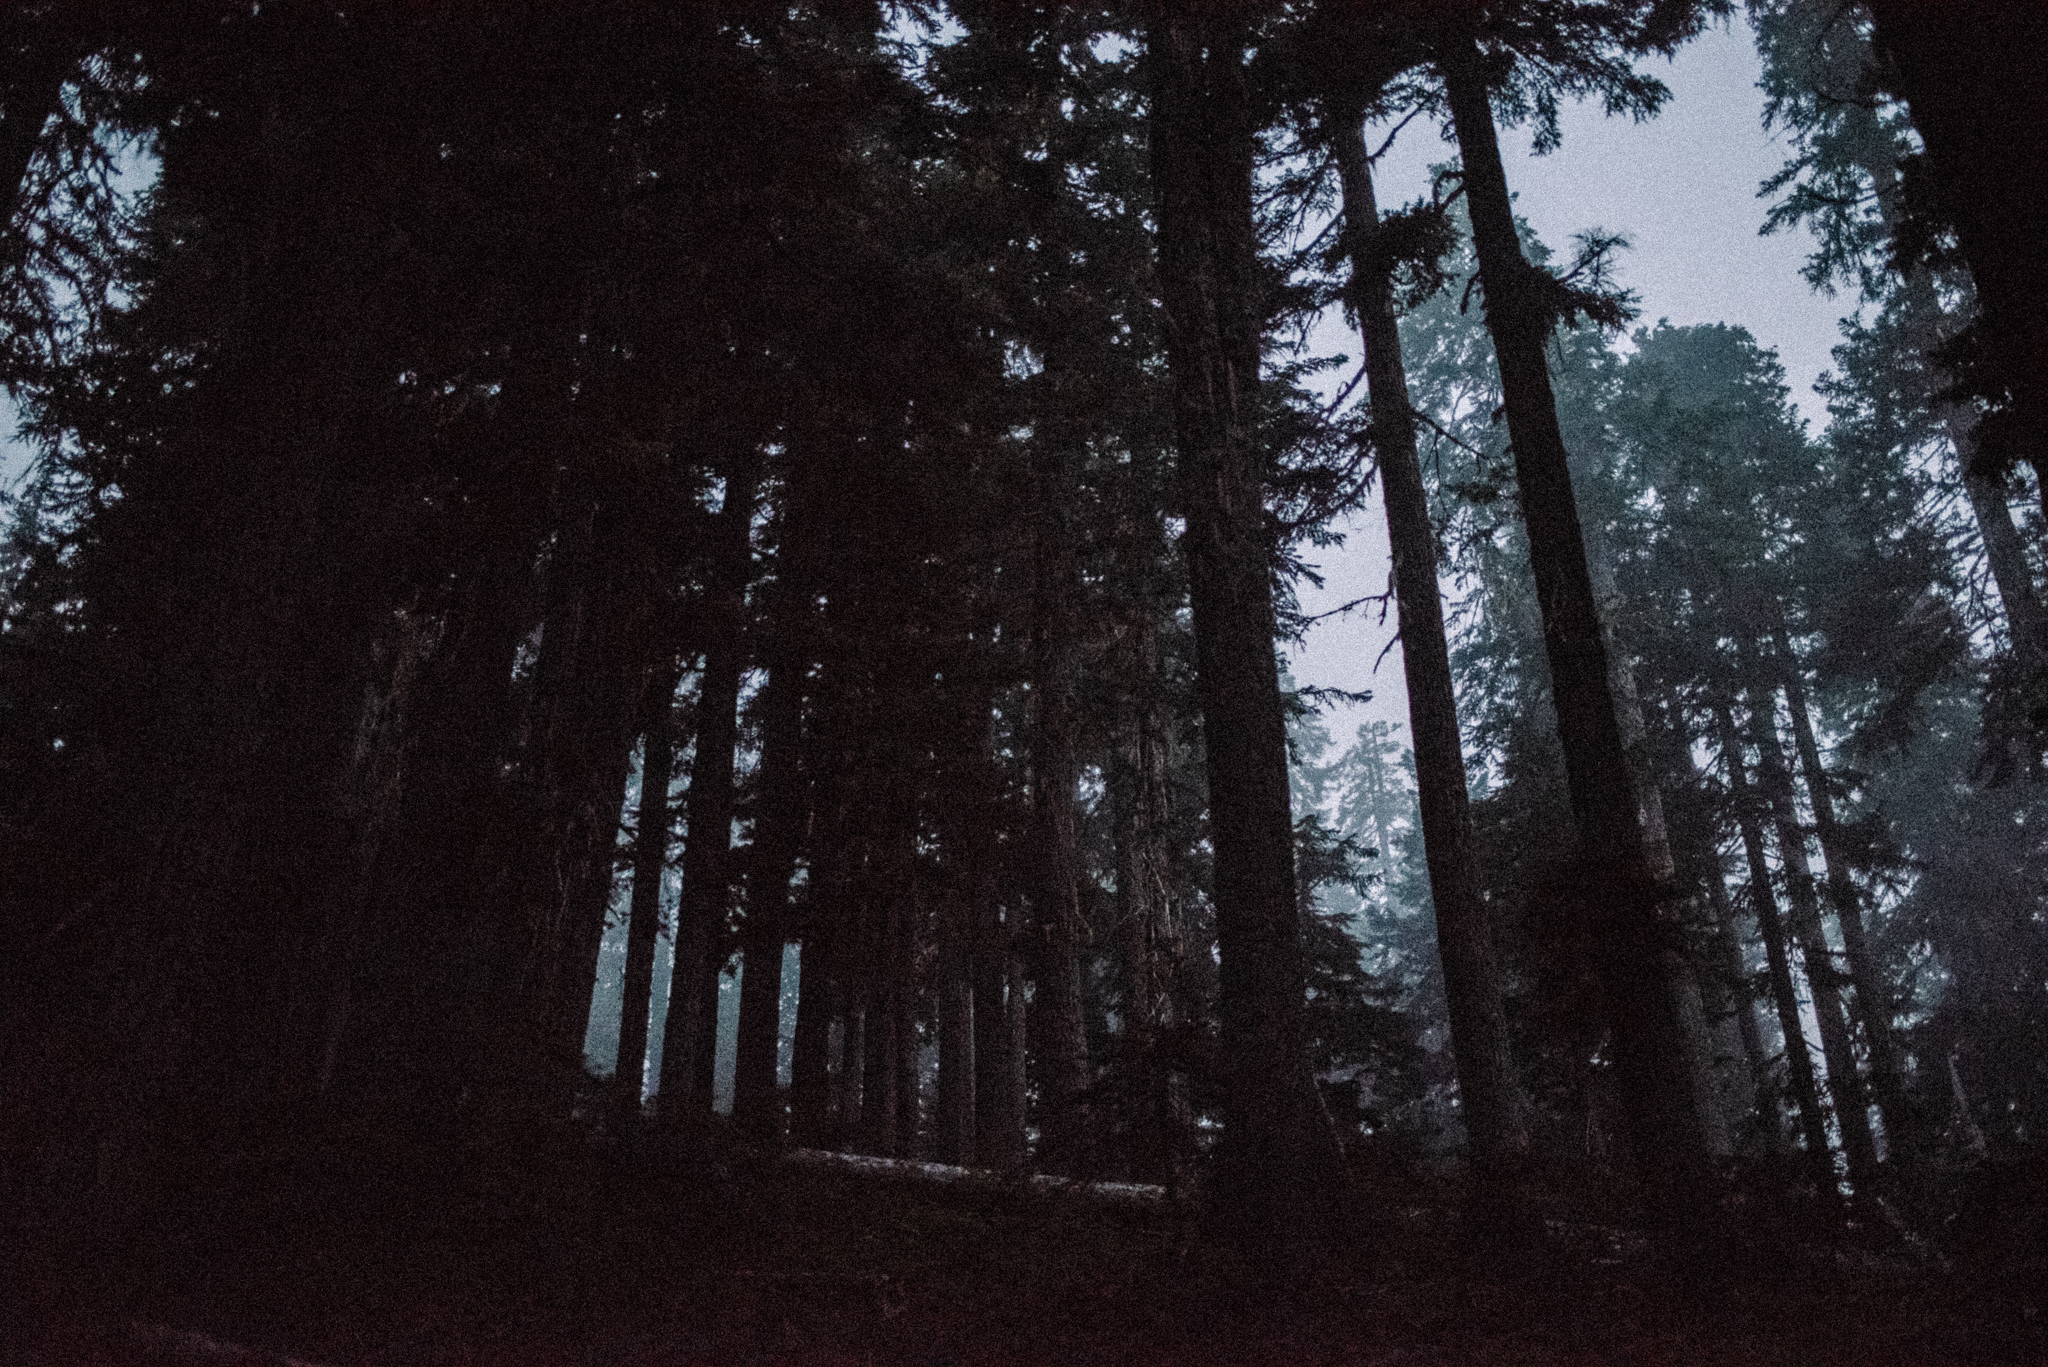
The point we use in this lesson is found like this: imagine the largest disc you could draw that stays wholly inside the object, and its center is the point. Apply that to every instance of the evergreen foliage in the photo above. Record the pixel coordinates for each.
(532, 514)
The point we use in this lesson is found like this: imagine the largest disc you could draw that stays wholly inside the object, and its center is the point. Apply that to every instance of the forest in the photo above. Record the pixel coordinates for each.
(645, 711)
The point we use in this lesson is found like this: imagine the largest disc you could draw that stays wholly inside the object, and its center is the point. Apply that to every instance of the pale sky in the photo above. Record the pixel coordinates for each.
(1682, 187)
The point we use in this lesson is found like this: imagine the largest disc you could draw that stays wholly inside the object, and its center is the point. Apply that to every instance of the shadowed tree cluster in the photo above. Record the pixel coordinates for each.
(533, 516)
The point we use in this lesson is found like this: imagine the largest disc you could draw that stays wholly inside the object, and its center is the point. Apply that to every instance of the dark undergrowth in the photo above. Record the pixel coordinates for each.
(574, 1253)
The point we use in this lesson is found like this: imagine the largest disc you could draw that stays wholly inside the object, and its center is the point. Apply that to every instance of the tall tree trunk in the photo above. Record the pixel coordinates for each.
(810, 1061)
(1059, 1040)
(879, 1105)
(650, 862)
(1738, 998)
(821, 997)
(1873, 996)
(1741, 1004)
(1000, 1032)
(688, 1037)
(1764, 902)
(718, 966)
(1145, 938)
(1852, 1111)
(999, 1021)
(956, 1044)
(1620, 890)
(2004, 550)
(1493, 1105)
(1278, 1161)
(959, 918)
(778, 822)
(852, 1071)
(595, 642)
(428, 899)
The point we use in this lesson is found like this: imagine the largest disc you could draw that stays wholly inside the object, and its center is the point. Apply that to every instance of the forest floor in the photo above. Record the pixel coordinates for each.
(631, 1264)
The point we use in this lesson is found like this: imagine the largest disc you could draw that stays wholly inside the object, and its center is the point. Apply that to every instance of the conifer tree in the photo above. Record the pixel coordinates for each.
(1490, 1089)
(1278, 1166)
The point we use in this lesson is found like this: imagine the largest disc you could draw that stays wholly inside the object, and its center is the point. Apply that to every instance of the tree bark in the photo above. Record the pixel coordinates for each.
(1763, 1092)
(1852, 1111)
(650, 862)
(960, 914)
(1147, 939)
(1059, 1041)
(810, 1081)
(1764, 902)
(595, 640)
(999, 1023)
(1722, 975)
(2004, 549)
(879, 1073)
(778, 821)
(821, 996)
(1620, 889)
(1494, 1107)
(852, 1072)
(688, 1037)
(1873, 997)
(1000, 1033)
(956, 1051)
(1278, 1165)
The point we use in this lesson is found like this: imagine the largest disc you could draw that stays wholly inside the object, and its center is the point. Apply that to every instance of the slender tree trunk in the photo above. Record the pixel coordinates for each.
(1620, 889)
(1059, 1038)
(1734, 972)
(956, 1051)
(1278, 1162)
(1764, 902)
(1494, 1108)
(999, 1012)
(1144, 917)
(999, 1046)
(959, 919)
(1873, 998)
(908, 1111)
(1763, 1091)
(1711, 1120)
(650, 862)
(821, 996)
(778, 822)
(1013, 1143)
(2004, 550)
(718, 966)
(1744, 1095)
(810, 1063)
(592, 662)
(1681, 980)
(879, 1103)
(688, 1037)
(1852, 1111)
(852, 1072)
(1968, 1133)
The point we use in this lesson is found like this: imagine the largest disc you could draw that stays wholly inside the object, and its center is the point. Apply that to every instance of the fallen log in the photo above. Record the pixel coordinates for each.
(948, 1175)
